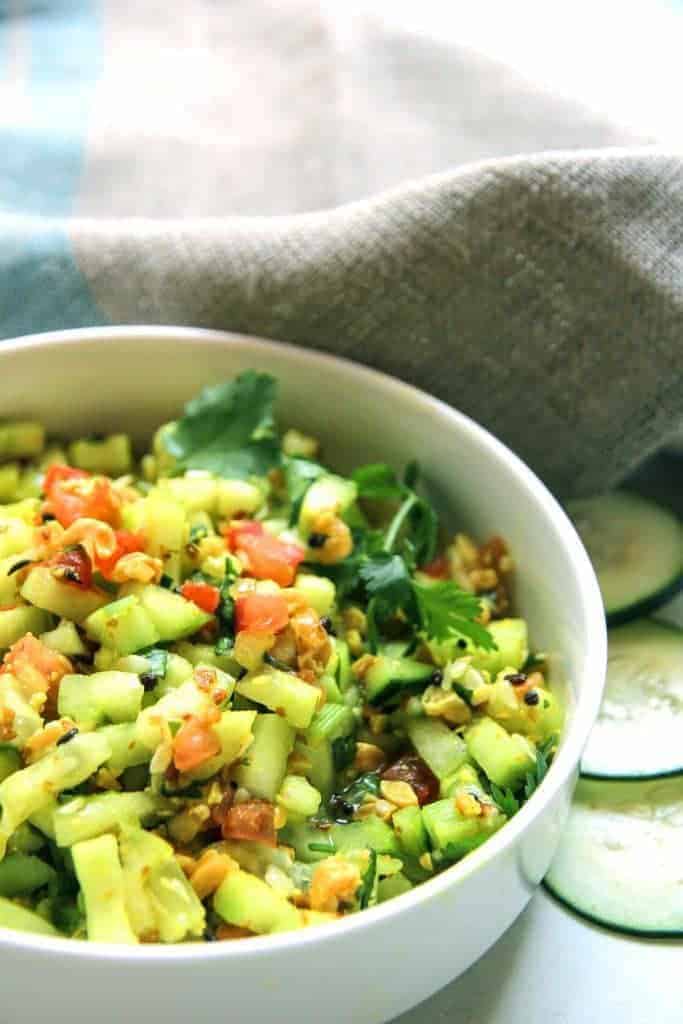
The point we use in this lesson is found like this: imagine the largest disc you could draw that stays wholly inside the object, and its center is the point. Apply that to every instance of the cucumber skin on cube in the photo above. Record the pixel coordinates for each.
(332, 722)
(504, 757)
(410, 831)
(102, 697)
(123, 626)
(99, 872)
(442, 749)
(283, 693)
(389, 677)
(318, 591)
(63, 599)
(16, 622)
(246, 902)
(267, 757)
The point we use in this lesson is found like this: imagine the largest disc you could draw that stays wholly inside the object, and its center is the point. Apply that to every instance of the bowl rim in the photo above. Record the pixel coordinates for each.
(585, 710)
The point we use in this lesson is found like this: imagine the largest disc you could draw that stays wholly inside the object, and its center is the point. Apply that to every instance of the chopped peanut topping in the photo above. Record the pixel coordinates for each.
(468, 805)
(399, 793)
(338, 541)
(368, 757)
(212, 867)
(313, 644)
(139, 567)
(334, 881)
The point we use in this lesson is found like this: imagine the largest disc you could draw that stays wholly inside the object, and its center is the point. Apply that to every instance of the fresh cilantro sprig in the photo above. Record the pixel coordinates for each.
(228, 429)
(438, 610)
(506, 800)
(414, 526)
(544, 756)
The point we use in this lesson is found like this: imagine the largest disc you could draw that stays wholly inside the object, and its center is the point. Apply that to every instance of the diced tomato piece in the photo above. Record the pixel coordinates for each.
(238, 528)
(58, 473)
(74, 494)
(253, 821)
(36, 666)
(194, 743)
(269, 558)
(126, 543)
(438, 568)
(261, 613)
(73, 566)
(203, 595)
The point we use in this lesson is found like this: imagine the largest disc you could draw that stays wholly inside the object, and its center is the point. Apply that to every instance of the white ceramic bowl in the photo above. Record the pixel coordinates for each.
(374, 965)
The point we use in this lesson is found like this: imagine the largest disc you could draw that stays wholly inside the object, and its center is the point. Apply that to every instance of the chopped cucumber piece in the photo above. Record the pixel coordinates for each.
(9, 481)
(504, 757)
(173, 617)
(410, 831)
(318, 591)
(512, 647)
(19, 919)
(65, 639)
(161, 903)
(123, 626)
(21, 873)
(283, 693)
(33, 788)
(127, 749)
(370, 834)
(442, 749)
(100, 698)
(196, 492)
(298, 797)
(111, 456)
(63, 599)
(17, 622)
(98, 869)
(332, 722)
(10, 760)
(319, 765)
(265, 765)
(388, 678)
(619, 861)
(86, 817)
(636, 548)
(395, 885)
(453, 834)
(247, 902)
(237, 497)
(21, 439)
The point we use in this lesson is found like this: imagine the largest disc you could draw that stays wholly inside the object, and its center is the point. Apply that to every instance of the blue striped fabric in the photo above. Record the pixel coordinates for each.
(55, 45)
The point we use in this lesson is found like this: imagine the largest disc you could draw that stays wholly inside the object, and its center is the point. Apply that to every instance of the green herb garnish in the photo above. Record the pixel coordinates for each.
(228, 429)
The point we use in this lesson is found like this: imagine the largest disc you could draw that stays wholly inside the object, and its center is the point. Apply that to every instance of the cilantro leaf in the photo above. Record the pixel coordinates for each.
(367, 888)
(506, 800)
(378, 482)
(389, 588)
(228, 429)
(299, 475)
(445, 611)
(544, 757)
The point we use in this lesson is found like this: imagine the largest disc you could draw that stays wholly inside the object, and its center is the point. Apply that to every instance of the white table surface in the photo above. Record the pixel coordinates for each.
(553, 968)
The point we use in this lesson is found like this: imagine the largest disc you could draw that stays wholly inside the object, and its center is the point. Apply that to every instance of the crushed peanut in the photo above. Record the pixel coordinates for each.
(338, 541)
(399, 793)
(368, 757)
(468, 805)
(334, 881)
(210, 871)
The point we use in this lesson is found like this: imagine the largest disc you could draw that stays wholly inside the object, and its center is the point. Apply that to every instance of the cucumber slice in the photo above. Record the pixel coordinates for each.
(619, 862)
(638, 732)
(636, 548)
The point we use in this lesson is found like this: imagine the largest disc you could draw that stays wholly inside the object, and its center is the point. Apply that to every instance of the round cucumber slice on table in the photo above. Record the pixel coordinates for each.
(620, 862)
(636, 548)
(639, 731)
